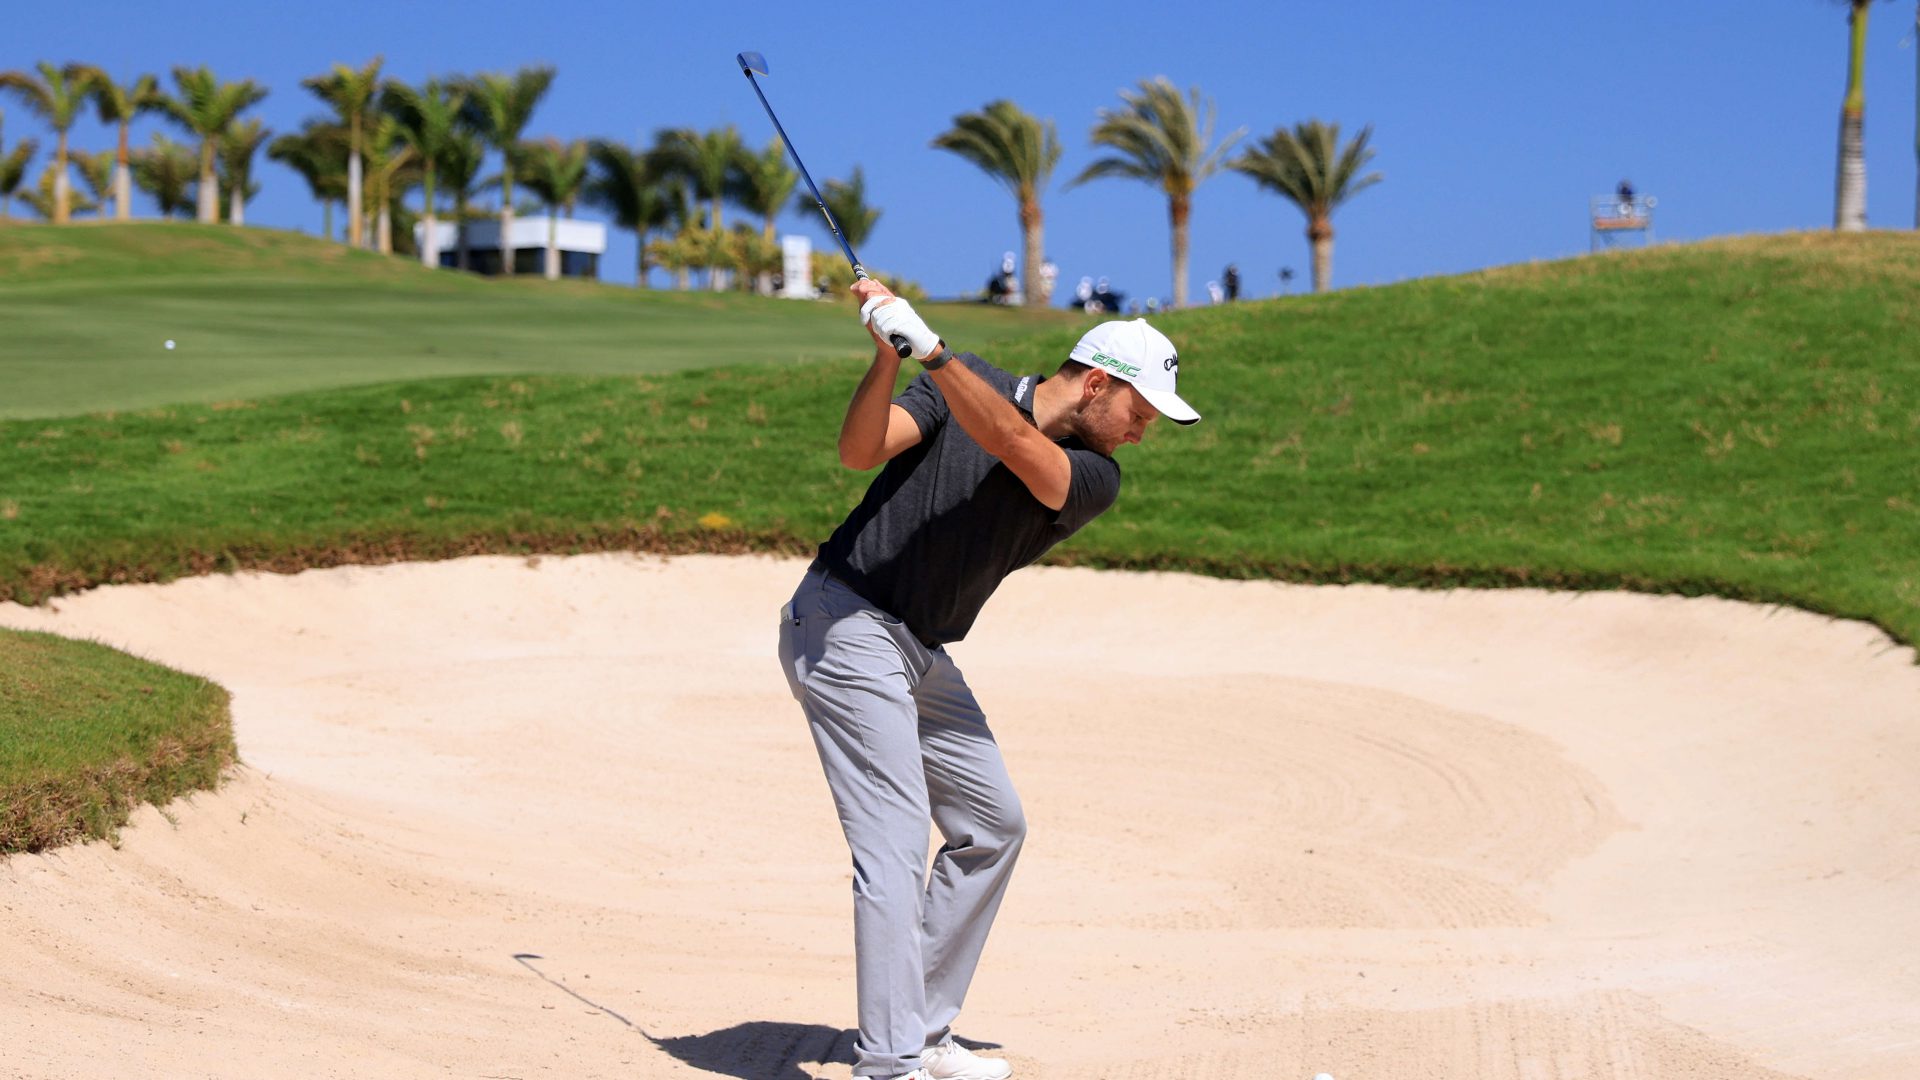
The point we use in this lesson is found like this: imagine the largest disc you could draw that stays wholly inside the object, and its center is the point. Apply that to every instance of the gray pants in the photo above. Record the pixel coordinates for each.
(902, 740)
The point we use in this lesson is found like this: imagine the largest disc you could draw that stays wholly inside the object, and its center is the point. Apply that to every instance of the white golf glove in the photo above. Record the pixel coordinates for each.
(890, 315)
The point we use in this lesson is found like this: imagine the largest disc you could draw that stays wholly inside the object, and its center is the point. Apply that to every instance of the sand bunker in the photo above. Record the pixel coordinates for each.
(516, 818)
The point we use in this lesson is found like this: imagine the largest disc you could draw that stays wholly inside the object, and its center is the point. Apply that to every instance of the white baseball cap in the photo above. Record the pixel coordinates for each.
(1142, 356)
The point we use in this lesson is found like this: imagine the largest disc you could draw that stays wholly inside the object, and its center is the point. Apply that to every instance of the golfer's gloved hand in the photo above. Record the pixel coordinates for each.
(890, 315)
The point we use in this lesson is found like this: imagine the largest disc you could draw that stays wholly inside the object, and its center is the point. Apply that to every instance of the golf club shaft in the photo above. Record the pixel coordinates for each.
(900, 345)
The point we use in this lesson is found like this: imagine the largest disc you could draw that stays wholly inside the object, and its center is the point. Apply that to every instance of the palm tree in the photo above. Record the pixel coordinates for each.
(498, 108)
(555, 172)
(237, 147)
(208, 107)
(459, 169)
(350, 91)
(763, 183)
(41, 198)
(57, 96)
(624, 182)
(96, 171)
(847, 201)
(707, 160)
(710, 162)
(429, 122)
(316, 152)
(118, 105)
(387, 154)
(13, 170)
(1165, 139)
(1309, 168)
(1850, 183)
(167, 171)
(1019, 151)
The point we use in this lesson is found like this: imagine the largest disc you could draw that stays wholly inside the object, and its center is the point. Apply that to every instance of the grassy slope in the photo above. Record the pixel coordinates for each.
(85, 312)
(1737, 417)
(86, 733)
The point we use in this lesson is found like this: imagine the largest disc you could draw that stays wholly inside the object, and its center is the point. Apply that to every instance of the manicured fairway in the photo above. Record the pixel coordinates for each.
(85, 312)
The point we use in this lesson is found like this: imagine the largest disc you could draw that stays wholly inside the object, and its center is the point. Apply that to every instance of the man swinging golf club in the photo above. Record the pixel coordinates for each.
(984, 472)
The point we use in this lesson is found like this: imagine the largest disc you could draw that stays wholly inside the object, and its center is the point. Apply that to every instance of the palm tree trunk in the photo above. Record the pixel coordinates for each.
(236, 206)
(207, 203)
(1033, 231)
(1179, 209)
(1850, 186)
(506, 220)
(717, 277)
(61, 199)
(460, 259)
(763, 281)
(326, 217)
(640, 275)
(1320, 236)
(429, 243)
(553, 245)
(122, 180)
(356, 214)
(383, 221)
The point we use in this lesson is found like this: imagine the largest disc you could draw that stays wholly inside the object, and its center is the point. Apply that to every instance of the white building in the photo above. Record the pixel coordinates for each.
(580, 243)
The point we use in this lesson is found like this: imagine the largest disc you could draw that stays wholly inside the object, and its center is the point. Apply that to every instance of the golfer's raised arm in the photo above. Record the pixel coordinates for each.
(990, 419)
(1002, 431)
(875, 428)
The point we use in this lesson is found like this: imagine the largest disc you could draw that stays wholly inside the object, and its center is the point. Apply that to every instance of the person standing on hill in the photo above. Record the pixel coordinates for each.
(984, 471)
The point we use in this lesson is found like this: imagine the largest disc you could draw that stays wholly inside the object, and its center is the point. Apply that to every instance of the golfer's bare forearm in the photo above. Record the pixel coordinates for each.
(1003, 431)
(863, 434)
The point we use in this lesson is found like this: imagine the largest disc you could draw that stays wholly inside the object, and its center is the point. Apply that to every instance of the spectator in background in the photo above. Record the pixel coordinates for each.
(1231, 279)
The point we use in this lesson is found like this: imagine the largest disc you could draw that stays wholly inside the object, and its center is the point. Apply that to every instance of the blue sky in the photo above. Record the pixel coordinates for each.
(1493, 122)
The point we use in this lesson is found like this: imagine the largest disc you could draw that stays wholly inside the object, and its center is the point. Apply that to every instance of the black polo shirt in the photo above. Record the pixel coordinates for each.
(945, 521)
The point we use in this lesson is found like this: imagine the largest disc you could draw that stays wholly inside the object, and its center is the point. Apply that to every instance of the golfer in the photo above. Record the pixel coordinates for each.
(984, 472)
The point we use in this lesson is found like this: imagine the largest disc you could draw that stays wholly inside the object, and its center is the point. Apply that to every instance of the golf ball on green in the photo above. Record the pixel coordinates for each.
(169, 343)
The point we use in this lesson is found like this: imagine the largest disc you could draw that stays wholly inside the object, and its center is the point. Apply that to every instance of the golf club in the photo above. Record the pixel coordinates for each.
(751, 62)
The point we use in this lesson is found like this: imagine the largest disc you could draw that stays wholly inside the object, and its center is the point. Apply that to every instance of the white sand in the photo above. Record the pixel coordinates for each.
(1276, 830)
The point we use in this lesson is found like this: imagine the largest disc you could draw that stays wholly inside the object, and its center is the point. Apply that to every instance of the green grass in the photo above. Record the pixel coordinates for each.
(86, 310)
(87, 733)
(1739, 418)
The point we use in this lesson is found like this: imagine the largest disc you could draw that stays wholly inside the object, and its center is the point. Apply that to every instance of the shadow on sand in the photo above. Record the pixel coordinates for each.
(757, 1050)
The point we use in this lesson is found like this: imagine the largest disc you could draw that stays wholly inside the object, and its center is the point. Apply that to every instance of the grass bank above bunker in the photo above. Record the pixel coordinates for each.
(87, 733)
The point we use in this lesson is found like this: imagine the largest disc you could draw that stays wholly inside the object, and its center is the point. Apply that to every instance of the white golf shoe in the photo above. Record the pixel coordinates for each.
(951, 1061)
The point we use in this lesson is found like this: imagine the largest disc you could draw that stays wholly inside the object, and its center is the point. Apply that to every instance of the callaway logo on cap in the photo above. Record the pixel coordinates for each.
(1142, 356)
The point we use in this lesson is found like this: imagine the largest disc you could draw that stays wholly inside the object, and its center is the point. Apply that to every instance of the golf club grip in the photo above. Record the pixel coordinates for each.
(900, 346)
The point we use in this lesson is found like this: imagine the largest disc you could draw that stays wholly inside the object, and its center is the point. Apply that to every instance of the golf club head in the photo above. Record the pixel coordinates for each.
(751, 62)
